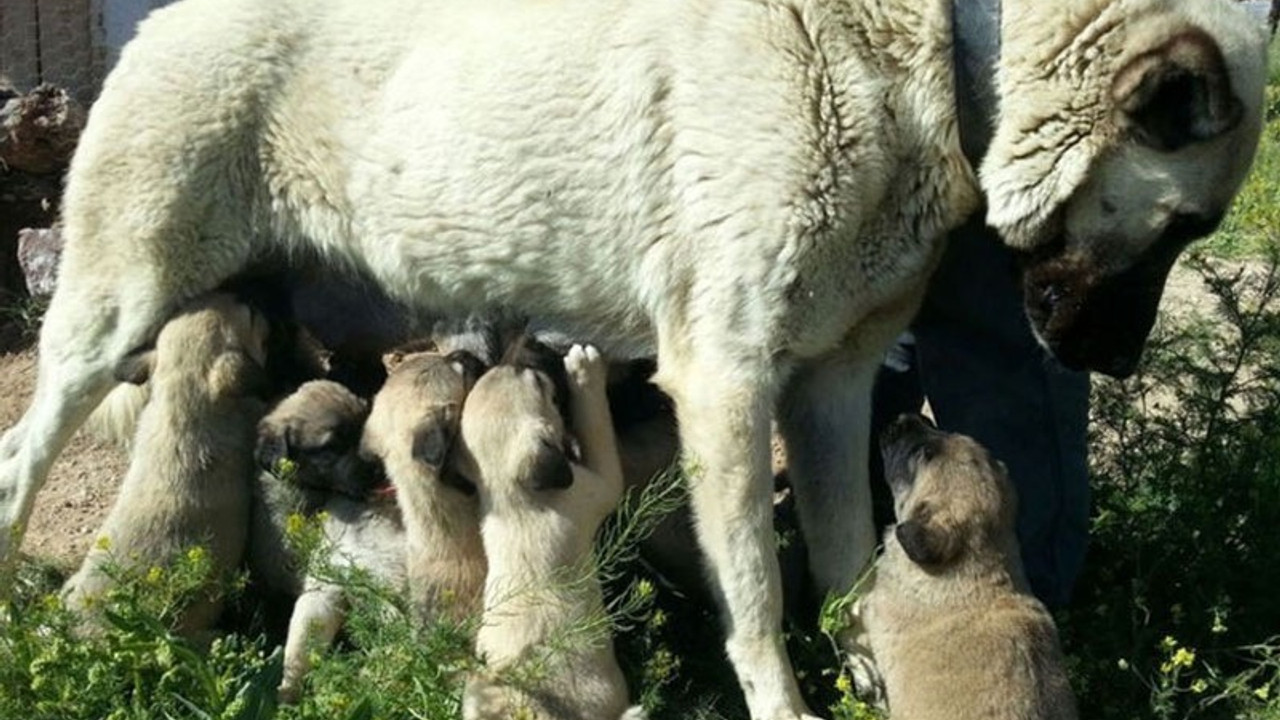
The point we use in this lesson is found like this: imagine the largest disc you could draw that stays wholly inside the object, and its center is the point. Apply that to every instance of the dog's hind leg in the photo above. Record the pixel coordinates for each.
(724, 411)
(81, 343)
(825, 419)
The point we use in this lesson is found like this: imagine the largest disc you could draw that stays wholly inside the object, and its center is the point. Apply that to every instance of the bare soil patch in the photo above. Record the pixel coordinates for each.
(82, 486)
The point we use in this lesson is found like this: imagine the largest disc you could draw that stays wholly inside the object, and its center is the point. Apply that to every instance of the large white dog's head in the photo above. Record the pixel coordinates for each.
(1124, 129)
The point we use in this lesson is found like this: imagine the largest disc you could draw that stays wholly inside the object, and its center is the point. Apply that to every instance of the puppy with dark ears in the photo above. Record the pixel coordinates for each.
(410, 434)
(947, 616)
(540, 507)
(188, 477)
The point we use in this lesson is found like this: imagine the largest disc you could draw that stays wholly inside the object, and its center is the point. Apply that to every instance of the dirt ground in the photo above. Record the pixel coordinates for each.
(80, 489)
(83, 483)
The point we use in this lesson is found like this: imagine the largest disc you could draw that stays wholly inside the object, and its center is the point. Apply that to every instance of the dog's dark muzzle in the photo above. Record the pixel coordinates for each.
(901, 444)
(1093, 320)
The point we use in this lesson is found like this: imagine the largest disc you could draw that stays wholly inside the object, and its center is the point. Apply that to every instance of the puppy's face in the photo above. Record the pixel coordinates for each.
(317, 429)
(215, 340)
(951, 497)
(1130, 144)
(416, 413)
(515, 446)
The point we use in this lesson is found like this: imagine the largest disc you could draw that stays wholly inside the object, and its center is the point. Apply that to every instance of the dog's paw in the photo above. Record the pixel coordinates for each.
(586, 368)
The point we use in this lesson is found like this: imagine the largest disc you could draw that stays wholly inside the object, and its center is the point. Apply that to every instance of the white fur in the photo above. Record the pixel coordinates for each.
(747, 188)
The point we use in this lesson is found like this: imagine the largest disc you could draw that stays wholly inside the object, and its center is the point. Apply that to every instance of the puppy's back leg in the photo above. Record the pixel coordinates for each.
(316, 618)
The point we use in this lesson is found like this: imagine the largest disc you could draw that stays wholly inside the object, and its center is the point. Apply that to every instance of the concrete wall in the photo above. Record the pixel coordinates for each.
(71, 43)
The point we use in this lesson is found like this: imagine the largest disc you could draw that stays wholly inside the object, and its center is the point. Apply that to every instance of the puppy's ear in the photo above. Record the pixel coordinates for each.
(926, 541)
(550, 470)
(236, 374)
(272, 447)
(432, 440)
(1179, 93)
(135, 368)
(392, 360)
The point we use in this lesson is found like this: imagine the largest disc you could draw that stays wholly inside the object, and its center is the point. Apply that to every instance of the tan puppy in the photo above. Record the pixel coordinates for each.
(540, 510)
(410, 431)
(948, 617)
(188, 480)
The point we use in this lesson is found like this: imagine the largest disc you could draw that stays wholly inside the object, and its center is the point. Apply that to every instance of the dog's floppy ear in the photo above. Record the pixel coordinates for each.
(926, 541)
(135, 368)
(1179, 93)
(550, 469)
(433, 439)
(272, 447)
(392, 360)
(237, 374)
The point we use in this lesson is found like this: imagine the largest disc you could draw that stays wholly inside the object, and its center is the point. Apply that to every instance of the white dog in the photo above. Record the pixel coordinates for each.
(539, 512)
(754, 192)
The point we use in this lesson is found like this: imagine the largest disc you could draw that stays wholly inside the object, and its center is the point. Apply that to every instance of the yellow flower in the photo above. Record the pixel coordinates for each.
(1183, 657)
(1199, 686)
(196, 554)
(154, 575)
(844, 684)
(102, 543)
(644, 589)
(1263, 692)
(1168, 643)
(294, 523)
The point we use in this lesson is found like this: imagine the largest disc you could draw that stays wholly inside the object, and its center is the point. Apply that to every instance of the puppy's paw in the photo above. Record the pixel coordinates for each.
(867, 681)
(586, 368)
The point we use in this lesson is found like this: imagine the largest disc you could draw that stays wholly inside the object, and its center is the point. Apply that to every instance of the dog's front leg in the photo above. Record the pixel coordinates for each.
(724, 412)
(825, 419)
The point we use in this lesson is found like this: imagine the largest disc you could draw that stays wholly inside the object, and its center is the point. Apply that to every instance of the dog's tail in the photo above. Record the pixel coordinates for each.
(116, 417)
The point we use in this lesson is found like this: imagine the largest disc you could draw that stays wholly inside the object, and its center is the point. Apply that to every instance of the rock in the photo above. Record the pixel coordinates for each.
(39, 130)
(38, 253)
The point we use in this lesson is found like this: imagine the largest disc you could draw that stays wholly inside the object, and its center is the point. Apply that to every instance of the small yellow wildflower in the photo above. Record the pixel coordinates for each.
(844, 684)
(155, 574)
(644, 589)
(294, 523)
(1168, 643)
(1183, 657)
(102, 543)
(1263, 692)
(1199, 686)
(196, 554)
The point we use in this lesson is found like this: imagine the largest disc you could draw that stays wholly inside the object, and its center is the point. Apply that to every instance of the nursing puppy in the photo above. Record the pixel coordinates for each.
(754, 193)
(307, 453)
(410, 434)
(188, 478)
(540, 509)
(948, 617)
(308, 456)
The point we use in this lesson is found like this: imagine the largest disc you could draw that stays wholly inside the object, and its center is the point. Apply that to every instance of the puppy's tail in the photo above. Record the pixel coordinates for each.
(116, 417)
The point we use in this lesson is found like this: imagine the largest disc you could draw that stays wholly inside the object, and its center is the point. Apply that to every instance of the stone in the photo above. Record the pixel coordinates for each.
(38, 253)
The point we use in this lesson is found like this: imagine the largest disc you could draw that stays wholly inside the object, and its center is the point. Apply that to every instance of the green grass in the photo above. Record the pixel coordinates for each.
(1249, 228)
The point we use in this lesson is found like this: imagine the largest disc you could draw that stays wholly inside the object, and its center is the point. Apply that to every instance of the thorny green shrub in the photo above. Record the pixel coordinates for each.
(1176, 614)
